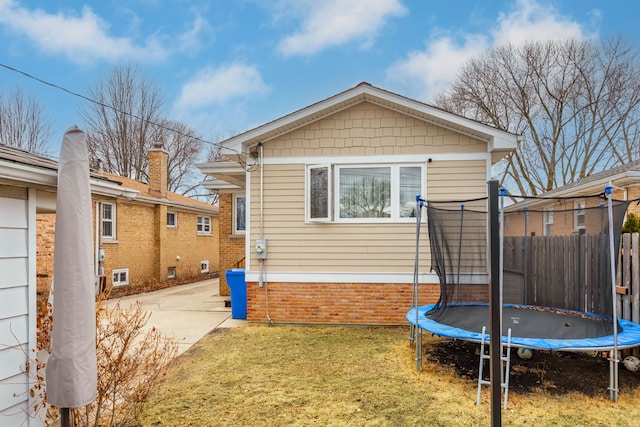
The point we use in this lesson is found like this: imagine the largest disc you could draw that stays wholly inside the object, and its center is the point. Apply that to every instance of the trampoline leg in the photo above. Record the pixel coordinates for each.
(613, 377)
(412, 332)
(418, 350)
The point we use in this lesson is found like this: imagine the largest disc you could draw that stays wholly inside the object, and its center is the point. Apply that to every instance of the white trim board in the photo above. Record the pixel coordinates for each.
(387, 278)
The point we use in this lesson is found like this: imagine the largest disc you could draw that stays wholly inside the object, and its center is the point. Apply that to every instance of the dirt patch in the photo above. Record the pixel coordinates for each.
(556, 372)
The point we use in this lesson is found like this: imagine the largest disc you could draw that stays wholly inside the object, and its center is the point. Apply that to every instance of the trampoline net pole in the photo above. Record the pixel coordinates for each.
(613, 360)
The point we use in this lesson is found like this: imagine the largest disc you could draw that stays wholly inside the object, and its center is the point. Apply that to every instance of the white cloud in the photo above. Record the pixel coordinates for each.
(531, 21)
(334, 22)
(191, 41)
(427, 71)
(81, 38)
(218, 85)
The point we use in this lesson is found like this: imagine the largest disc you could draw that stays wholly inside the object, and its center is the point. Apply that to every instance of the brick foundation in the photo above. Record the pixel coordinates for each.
(342, 303)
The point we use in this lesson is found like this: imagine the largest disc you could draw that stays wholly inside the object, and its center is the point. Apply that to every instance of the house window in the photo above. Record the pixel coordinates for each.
(120, 277)
(578, 214)
(319, 193)
(204, 225)
(366, 193)
(172, 219)
(171, 273)
(108, 220)
(204, 266)
(548, 222)
(239, 215)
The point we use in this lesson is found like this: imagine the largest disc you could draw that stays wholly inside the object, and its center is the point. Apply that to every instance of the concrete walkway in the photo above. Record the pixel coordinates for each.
(185, 313)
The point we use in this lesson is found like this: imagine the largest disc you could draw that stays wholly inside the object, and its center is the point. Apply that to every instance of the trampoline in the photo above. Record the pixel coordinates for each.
(557, 264)
(538, 328)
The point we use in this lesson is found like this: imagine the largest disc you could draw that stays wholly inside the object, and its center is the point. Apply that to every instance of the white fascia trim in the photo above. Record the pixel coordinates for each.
(28, 174)
(404, 158)
(425, 278)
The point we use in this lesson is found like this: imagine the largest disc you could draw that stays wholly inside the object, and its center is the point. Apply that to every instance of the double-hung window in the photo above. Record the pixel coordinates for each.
(172, 219)
(108, 219)
(363, 193)
(578, 214)
(548, 222)
(204, 225)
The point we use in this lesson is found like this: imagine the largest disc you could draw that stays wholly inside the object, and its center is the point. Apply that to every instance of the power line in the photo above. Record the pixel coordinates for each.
(86, 98)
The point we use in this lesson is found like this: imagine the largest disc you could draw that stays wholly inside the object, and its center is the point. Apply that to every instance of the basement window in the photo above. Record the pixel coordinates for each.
(120, 277)
(204, 266)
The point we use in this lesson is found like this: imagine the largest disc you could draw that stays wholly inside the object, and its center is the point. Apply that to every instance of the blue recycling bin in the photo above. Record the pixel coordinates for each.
(238, 287)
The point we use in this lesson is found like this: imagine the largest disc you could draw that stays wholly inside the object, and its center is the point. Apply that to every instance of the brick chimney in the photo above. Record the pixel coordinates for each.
(158, 169)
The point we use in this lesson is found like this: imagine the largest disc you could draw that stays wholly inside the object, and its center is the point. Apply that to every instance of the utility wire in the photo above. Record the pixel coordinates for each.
(86, 98)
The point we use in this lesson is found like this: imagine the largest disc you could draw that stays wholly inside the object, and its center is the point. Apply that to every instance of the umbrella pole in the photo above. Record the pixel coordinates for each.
(65, 417)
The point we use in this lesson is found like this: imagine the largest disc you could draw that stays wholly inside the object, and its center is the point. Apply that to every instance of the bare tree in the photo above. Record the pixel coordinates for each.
(575, 103)
(23, 124)
(125, 123)
(119, 126)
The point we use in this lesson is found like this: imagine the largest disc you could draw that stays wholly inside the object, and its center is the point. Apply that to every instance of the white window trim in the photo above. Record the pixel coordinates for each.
(200, 221)
(112, 220)
(118, 272)
(307, 193)
(169, 274)
(334, 194)
(175, 219)
(204, 266)
(576, 207)
(235, 215)
(548, 221)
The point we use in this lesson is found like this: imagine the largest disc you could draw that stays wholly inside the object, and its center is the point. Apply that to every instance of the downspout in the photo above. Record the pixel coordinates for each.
(261, 280)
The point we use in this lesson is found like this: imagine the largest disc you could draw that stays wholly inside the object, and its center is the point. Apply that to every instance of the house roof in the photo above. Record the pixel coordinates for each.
(620, 176)
(623, 175)
(236, 148)
(23, 166)
(17, 155)
(498, 140)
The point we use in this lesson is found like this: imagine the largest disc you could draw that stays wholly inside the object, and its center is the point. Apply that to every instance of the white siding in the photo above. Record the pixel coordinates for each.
(17, 307)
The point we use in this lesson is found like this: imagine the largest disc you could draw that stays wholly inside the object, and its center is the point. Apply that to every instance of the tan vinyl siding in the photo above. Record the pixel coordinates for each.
(294, 246)
(367, 129)
(456, 179)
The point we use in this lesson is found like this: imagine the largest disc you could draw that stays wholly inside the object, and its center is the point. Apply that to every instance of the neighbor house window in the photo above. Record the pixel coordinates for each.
(108, 219)
(578, 214)
(239, 215)
(172, 219)
(364, 193)
(120, 277)
(204, 225)
(171, 272)
(204, 266)
(548, 222)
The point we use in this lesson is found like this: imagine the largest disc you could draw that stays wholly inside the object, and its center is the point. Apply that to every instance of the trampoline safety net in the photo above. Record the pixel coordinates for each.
(555, 252)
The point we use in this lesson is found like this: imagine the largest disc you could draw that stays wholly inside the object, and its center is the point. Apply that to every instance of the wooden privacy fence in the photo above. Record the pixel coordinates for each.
(572, 272)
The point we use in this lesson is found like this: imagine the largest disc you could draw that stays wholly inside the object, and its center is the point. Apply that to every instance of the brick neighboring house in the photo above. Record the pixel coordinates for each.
(145, 233)
(562, 217)
(332, 254)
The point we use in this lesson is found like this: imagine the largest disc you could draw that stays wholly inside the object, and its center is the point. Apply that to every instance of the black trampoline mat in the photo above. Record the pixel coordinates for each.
(527, 322)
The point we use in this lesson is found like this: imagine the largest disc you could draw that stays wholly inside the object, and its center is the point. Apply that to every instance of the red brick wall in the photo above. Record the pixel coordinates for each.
(341, 303)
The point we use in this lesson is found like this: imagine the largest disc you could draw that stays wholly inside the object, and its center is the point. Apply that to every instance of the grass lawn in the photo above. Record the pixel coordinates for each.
(347, 376)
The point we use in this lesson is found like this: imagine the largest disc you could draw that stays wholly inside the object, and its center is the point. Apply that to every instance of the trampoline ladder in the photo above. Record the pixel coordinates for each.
(505, 357)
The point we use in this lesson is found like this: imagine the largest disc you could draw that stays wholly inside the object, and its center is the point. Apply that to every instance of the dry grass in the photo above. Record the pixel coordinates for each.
(339, 376)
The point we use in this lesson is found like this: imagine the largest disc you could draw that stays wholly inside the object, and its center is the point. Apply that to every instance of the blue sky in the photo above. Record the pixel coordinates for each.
(227, 66)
